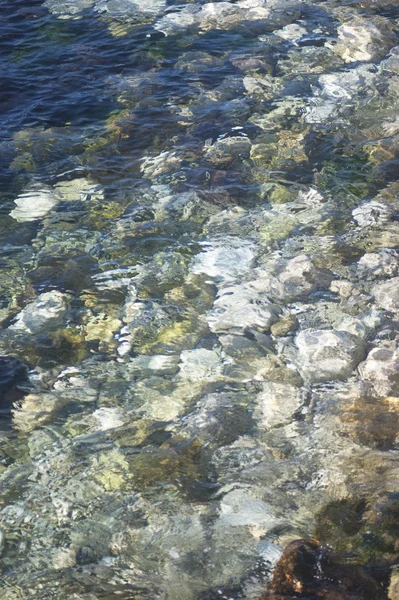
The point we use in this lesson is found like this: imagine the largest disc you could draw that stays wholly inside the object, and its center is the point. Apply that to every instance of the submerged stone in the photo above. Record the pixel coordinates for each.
(33, 205)
(102, 328)
(371, 214)
(364, 326)
(381, 371)
(154, 166)
(79, 189)
(200, 364)
(218, 418)
(226, 150)
(325, 355)
(226, 15)
(71, 8)
(226, 259)
(108, 418)
(393, 592)
(384, 263)
(242, 508)
(44, 314)
(363, 39)
(386, 294)
(35, 411)
(65, 8)
(146, 366)
(242, 307)
(292, 32)
(294, 278)
(111, 470)
(277, 404)
(130, 7)
(338, 92)
(284, 325)
(308, 570)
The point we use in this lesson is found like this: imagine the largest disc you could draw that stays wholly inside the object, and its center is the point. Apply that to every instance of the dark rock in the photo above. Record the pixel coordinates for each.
(372, 421)
(13, 373)
(85, 555)
(340, 519)
(308, 570)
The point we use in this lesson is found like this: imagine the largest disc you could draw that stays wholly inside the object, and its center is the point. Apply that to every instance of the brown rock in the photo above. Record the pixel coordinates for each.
(372, 422)
(309, 571)
(284, 325)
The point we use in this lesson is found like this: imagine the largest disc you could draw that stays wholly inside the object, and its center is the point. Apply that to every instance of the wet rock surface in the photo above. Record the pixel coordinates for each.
(361, 39)
(199, 300)
(386, 294)
(43, 314)
(307, 570)
(325, 355)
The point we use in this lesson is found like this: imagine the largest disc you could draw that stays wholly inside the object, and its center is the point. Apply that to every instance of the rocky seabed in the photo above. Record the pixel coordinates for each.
(199, 377)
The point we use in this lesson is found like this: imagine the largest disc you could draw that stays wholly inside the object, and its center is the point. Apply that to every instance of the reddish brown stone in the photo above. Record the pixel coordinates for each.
(307, 570)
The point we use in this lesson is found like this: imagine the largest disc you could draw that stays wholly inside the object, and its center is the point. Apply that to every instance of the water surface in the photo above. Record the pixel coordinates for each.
(199, 281)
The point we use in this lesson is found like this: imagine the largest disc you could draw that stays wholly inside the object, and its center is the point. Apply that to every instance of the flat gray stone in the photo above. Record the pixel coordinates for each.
(386, 294)
(381, 371)
(326, 354)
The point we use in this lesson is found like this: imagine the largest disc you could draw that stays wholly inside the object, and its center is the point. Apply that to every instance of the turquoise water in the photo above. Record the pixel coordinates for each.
(198, 295)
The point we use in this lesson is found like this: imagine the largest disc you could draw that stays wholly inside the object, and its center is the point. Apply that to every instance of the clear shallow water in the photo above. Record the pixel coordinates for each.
(199, 272)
